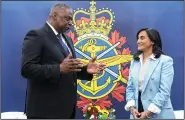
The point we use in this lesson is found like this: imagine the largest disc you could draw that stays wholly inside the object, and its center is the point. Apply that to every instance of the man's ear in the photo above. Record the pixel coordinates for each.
(54, 15)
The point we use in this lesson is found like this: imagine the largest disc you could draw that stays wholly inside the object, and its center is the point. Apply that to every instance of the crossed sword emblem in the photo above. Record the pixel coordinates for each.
(101, 55)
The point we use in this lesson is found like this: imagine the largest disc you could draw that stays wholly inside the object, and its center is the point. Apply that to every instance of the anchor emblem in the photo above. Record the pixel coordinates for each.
(92, 30)
(91, 47)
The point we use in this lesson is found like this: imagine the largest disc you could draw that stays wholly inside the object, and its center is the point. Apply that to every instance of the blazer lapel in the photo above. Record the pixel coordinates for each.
(151, 67)
(135, 72)
(54, 38)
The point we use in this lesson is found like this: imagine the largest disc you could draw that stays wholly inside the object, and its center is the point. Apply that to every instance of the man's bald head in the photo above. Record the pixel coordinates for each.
(59, 7)
(61, 17)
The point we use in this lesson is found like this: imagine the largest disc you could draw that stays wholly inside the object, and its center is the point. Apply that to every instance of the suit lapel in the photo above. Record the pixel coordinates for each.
(54, 38)
(135, 72)
(151, 67)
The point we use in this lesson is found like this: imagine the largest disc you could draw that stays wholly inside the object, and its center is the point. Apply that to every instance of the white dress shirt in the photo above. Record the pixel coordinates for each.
(143, 69)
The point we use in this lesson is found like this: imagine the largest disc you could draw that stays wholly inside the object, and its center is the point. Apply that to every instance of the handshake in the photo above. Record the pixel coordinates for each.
(74, 65)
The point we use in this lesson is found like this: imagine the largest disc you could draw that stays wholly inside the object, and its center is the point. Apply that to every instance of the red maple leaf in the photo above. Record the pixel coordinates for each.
(126, 51)
(125, 72)
(119, 52)
(117, 92)
(72, 36)
(116, 38)
(83, 102)
(103, 102)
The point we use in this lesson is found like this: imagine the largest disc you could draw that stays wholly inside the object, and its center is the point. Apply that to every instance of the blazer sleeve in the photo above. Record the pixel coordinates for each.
(167, 74)
(84, 75)
(31, 67)
(130, 90)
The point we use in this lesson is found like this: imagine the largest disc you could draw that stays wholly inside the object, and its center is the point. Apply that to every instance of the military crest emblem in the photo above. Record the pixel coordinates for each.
(95, 37)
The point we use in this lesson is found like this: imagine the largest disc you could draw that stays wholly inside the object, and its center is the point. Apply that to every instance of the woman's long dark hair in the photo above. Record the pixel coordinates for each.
(154, 36)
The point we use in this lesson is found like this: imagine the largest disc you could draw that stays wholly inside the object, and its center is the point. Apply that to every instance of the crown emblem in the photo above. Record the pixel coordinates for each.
(94, 23)
(94, 37)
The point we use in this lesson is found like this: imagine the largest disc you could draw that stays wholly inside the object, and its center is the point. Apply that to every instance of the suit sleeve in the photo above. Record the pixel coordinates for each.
(130, 90)
(84, 75)
(31, 67)
(167, 74)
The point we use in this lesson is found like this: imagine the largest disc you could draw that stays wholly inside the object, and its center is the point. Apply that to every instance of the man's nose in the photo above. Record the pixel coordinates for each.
(70, 23)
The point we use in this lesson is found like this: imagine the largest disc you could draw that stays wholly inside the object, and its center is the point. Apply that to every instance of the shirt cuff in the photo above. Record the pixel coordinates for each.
(129, 104)
(154, 109)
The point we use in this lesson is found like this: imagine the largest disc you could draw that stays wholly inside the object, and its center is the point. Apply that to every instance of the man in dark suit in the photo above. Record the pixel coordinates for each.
(49, 64)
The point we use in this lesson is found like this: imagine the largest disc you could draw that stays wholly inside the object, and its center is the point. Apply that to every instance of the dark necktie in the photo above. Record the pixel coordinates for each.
(63, 44)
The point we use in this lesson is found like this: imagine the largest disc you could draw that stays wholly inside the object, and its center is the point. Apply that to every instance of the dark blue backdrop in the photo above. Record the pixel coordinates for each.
(19, 17)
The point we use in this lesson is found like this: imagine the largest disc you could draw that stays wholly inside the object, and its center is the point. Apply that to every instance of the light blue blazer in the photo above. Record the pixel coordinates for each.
(156, 86)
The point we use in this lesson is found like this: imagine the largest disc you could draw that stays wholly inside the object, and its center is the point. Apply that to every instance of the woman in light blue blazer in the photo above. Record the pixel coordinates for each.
(150, 79)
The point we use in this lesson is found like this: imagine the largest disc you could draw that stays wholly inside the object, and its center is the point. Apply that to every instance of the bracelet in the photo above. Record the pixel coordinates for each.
(147, 116)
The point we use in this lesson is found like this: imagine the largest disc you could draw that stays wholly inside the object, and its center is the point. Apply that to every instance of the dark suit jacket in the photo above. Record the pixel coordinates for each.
(50, 94)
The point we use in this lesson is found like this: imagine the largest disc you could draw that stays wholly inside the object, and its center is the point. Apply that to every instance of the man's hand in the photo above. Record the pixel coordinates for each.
(94, 68)
(135, 113)
(145, 114)
(70, 65)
